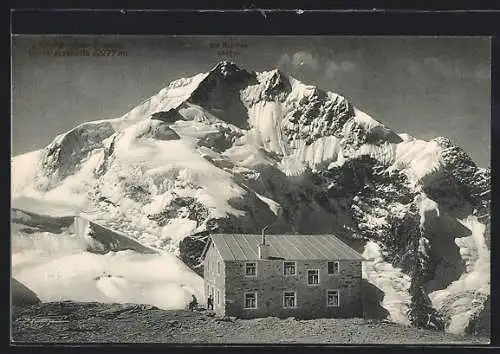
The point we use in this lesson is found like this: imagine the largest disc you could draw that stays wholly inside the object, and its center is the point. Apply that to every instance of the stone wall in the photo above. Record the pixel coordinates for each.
(270, 283)
(213, 279)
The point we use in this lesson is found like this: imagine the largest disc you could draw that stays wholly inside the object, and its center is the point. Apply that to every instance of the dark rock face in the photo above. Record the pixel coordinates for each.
(137, 192)
(190, 249)
(219, 93)
(221, 140)
(480, 325)
(472, 181)
(487, 232)
(163, 132)
(22, 295)
(372, 298)
(106, 240)
(444, 254)
(422, 314)
(102, 168)
(317, 115)
(380, 134)
(451, 196)
(33, 222)
(217, 141)
(170, 116)
(195, 211)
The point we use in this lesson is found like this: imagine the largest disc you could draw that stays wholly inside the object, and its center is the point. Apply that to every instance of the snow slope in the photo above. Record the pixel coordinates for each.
(54, 261)
(123, 277)
(392, 281)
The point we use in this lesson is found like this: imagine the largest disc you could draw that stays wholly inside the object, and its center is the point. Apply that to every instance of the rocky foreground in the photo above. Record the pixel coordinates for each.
(70, 322)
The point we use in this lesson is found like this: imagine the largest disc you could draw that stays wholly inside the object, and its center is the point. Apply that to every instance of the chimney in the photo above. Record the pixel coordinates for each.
(263, 246)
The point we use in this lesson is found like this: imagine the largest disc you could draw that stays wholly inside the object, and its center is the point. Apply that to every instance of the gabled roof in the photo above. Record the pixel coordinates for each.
(236, 247)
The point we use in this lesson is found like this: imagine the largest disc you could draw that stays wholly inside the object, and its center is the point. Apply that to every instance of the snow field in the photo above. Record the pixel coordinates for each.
(56, 268)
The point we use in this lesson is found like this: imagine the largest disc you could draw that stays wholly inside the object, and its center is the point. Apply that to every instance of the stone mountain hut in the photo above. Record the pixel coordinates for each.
(302, 276)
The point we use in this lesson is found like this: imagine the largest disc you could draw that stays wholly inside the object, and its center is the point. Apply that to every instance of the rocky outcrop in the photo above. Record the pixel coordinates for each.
(100, 239)
(160, 131)
(190, 249)
(170, 116)
(480, 322)
(21, 295)
(220, 140)
(316, 115)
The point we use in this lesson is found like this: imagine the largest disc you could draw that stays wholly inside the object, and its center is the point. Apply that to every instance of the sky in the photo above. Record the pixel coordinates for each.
(423, 86)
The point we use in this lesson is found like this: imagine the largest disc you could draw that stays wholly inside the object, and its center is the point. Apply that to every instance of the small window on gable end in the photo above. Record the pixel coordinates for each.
(218, 267)
(333, 267)
(250, 269)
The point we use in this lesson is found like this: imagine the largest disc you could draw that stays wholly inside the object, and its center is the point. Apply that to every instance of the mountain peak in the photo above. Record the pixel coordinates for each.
(277, 74)
(226, 63)
(226, 68)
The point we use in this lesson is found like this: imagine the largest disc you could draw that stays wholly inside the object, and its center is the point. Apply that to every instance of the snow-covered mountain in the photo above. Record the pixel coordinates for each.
(233, 150)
